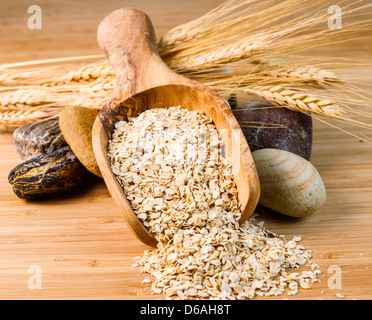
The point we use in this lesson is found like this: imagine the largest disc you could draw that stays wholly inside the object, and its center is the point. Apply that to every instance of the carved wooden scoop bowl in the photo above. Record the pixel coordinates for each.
(144, 81)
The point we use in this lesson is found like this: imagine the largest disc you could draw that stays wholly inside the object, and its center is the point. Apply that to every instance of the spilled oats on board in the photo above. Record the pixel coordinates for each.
(170, 165)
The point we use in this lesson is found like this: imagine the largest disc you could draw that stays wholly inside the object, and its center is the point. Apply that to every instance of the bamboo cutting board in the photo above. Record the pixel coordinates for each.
(79, 243)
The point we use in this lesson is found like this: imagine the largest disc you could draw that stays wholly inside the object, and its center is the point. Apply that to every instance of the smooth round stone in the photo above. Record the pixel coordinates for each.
(290, 184)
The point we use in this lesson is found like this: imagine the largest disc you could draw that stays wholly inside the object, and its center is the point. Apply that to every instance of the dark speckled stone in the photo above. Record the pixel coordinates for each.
(294, 135)
(35, 139)
(47, 175)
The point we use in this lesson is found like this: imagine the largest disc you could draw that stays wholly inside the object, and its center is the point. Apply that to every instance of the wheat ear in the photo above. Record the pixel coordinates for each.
(35, 103)
(305, 102)
(296, 100)
(306, 74)
(12, 119)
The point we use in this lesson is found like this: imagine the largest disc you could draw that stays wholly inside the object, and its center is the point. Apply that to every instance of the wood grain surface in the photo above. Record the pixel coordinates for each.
(80, 242)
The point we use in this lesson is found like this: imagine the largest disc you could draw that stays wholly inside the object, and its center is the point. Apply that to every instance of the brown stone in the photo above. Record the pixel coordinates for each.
(47, 175)
(35, 139)
(76, 124)
(267, 126)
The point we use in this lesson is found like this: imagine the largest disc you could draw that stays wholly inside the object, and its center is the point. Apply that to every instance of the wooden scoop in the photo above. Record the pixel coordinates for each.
(144, 81)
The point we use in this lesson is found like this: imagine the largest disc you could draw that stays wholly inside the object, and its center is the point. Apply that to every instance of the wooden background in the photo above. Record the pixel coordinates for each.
(81, 243)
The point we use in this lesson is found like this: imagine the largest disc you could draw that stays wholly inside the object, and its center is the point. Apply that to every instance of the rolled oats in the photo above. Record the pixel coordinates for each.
(170, 165)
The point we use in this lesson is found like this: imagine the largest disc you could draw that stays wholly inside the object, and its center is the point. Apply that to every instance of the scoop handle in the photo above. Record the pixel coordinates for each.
(128, 39)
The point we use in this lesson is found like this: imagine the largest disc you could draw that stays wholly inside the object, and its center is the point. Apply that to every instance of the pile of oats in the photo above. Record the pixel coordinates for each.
(170, 164)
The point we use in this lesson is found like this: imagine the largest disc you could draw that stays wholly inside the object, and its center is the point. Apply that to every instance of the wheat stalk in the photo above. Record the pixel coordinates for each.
(55, 75)
(98, 90)
(226, 45)
(298, 101)
(226, 55)
(306, 74)
(260, 40)
(307, 103)
(235, 16)
(35, 103)
(99, 70)
(12, 119)
(86, 96)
